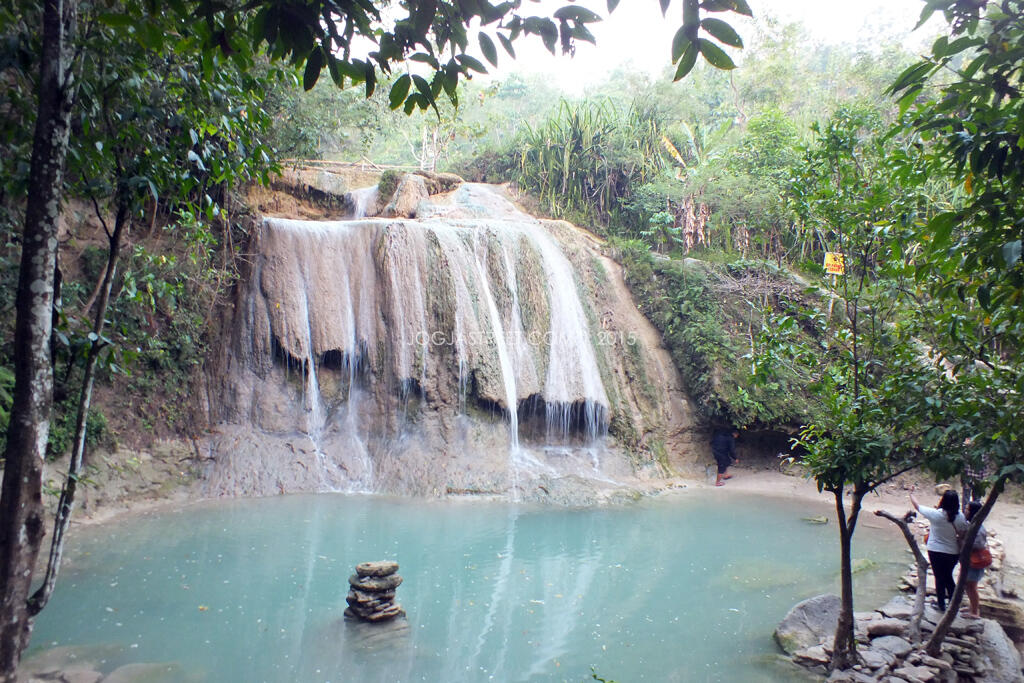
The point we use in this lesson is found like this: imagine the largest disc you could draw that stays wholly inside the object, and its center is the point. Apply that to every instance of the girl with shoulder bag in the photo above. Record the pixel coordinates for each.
(980, 558)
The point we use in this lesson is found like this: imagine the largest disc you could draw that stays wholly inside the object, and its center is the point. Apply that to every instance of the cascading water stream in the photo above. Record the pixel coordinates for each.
(361, 199)
(571, 350)
(491, 306)
(317, 415)
(504, 359)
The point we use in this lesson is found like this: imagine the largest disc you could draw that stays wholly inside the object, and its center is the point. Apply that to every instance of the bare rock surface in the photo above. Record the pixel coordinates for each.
(412, 190)
(380, 568)
(808, 624)
(894, 645)
(886, 627)
(1003, 660)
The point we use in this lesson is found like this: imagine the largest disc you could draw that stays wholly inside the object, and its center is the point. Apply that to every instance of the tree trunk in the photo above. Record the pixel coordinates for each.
(934, 646)
(914, 634)
(21, 503)
(67, 496)
(844, 646)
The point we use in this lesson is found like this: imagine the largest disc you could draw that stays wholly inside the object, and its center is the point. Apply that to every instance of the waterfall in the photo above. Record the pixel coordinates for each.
(472, 301)
(572, 351)
(501, 345)
(361, 200)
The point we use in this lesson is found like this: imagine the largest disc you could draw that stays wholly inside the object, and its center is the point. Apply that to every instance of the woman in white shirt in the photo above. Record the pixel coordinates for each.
(947, 524)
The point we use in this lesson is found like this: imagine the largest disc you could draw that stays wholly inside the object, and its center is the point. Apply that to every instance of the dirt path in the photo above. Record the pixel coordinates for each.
(1006, 518)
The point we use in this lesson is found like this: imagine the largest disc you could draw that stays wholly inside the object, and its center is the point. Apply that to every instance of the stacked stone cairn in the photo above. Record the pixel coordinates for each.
(371, 595)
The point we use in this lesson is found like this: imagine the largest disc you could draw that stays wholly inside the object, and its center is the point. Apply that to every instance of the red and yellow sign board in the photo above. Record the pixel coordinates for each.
(834, 264)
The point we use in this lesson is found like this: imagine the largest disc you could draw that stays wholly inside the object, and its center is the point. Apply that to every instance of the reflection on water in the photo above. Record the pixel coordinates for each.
(681, 589)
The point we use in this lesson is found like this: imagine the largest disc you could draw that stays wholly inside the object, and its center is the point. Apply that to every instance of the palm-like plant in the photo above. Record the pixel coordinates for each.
(584, 159)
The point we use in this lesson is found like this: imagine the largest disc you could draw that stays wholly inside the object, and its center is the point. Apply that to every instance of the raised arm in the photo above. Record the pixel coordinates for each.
(913, 501)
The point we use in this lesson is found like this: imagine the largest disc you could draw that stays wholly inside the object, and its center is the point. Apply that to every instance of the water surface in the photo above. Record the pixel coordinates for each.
(680, 588)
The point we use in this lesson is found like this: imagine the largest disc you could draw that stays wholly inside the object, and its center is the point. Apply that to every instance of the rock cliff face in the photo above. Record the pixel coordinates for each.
(456, 346)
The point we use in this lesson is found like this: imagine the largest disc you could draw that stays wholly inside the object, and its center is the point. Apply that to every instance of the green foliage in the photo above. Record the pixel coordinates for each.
(319, 35)
(163, 307)
(967, 256)
(856, 364)
(6, 399)
(62, 429)
(706, 328)
(326, 121)
(745, 189)
(388, 184)
(583, 161)
(94, 262)
(595, 677)
(975, 126)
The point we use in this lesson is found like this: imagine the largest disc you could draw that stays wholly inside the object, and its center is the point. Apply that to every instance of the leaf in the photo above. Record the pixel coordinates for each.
(737, 6)
(715, 55)
(429, 60)
(576, 13)
(961, 44)
(912, 75)
(487, 47)
(149, 35)
(399, 91)
(371, 80)
(984, 296)
(580, 32)
(664, 6)
(471, 63)
(680, 42)
(507, 44)
(926, 14)
(549, 35)
(1011, 252)
(115, 20)
(941, 227)
(437, 84)
(336, 75)
(314, 63)
(722, 31)
(612, 4)
(909, 98)
(423, 87)
(687, 61)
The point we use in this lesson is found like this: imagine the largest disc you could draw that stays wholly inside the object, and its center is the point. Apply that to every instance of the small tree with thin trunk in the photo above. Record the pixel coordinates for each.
(871, 422)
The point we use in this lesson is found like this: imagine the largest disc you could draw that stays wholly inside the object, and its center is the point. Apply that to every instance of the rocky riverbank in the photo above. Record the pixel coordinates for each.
(976, 650)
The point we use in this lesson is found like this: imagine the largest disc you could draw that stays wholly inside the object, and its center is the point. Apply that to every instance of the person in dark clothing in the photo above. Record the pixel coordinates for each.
(723, 447)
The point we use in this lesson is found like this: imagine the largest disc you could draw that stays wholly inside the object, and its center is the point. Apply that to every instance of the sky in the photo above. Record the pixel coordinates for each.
(638, 33)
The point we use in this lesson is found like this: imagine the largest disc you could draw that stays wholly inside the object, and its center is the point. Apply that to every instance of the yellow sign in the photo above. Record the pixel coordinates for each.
(834, 263)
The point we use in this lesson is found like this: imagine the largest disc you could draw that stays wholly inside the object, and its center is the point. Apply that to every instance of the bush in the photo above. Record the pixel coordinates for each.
(62, 429)
(388, 183)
